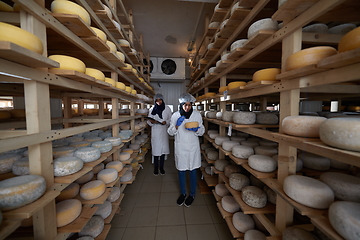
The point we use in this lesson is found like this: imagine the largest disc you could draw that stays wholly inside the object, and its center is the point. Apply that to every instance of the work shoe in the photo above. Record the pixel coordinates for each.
(162, 171)
(180, 201)
(156, 171)
(189, 200)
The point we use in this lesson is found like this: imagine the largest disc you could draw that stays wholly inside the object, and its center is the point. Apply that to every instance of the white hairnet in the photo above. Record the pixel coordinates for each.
(186, 97)
(157, 96)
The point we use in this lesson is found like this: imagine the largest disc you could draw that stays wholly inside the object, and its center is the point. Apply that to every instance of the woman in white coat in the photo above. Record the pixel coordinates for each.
(160, 115)
(187, 146)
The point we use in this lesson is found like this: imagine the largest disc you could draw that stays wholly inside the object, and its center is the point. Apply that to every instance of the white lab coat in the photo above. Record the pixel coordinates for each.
(159, 136)
(187, 145)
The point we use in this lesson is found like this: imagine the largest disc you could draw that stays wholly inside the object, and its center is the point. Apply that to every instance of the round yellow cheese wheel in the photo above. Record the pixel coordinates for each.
(111, 81)
(68, 7)
(69, 63)
(95, 73)
(141, 79)
(191, 124)
(123, 42)
(67, 211)
(120, 85)
(69, 192)
(124, 156)
(350, 41)
(308, 56)
(121, 56)
(210, 94)
(127, 67)
(268, 74)
(133, 91)
(128, 150)
(223, 89)
(92, 189)
(236, 84)
(128, 89)
(5, 114)
(112, 46)
(16, 7)
(21, 37)
(99, 33)
(17, 113)
(115, 165)
(5, 7)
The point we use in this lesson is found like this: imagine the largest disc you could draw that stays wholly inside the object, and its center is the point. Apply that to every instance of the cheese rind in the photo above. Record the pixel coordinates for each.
(117, 165)
(93, 227)
(114, 195)
(302, 126)
(262, 163)
(67, 211)
(107, 175)
(21, 167)
(254, 196)
(262, 24)
(92, 189)
(69, 192)
(99, 33)
(95, 73)
(69, 63)
(104, 210)
(268, 74)
(350, 41)
(67, 165)
(88, 154)
(229, 204)
(237, 181)
(243, 222)
(191, 124)
(69, 7)
(7, 160)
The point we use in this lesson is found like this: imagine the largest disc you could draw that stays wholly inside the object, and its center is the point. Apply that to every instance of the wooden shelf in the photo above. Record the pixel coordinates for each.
(257, 174)
(79, 223)
(324, 225)
(8, 226)
(291, 9)
(99, 200)
(75, 24)
(104, 233)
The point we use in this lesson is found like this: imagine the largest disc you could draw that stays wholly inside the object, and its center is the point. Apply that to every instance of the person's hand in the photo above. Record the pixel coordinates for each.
(180, 120)
(193, 129)
(152, 121)
(163, 123)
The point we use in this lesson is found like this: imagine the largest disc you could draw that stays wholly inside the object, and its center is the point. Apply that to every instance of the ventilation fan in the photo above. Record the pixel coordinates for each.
(151, 66)
(168, 68)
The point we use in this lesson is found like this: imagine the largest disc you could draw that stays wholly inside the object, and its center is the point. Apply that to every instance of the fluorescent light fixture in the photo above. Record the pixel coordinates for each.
(16, 76)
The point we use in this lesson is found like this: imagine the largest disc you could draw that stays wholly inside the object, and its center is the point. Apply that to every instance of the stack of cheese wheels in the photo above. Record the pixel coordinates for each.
(262, 163)
(350, 41)
(308, 57)
(263, 24)
(85, 178)
(254, 234)
(114, 195)
(191, 124)
(242, 151)
(297, 233)
(103, 146)
(97, 74)
(268, 74)
(230, 169)
(344, 217)
(267, 118)
(21, 37)
(69, 192)
(92, 190)
(246, 118)
(21, 167)
(7, 160)
(229, 204)
(19, 191)
(69, 63)
(107, 175)
(104, 210)
(237, 181)
(100, 34)
(308, 191)
(254, 196)
(67, 165)
(341, 133)
(235, 85)
(93, 227)
(302, 126)
(221, 190)
(67, 211)
(315, 162)
(88, 154)
(68, 7)
(243, 222)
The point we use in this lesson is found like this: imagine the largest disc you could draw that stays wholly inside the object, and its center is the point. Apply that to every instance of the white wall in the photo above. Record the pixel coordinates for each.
(170, 91)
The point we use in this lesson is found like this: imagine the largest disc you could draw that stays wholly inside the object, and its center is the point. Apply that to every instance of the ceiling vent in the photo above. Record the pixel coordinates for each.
(168, 68)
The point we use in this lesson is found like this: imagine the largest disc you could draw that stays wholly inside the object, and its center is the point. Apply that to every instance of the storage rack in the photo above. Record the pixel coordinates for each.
(334, 78)
(26, 74)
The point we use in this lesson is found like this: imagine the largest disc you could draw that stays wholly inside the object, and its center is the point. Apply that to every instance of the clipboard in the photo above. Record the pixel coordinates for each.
(150, 118)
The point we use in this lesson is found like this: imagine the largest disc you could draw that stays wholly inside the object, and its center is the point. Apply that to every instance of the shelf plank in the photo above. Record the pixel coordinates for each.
(218, 15)
(340, 60)
(71, 178)
(104, 233)
(300, 72)
(112, 214)
(79, 223)
(28, 210)
(321, 38)
(217, 197)
(99, 200)
(18, 54)
(211, 180)
(324, 225)
(237, 53)
(223, 213)
(7, 227)
(258, 174)
(252, 85)
(102, 157)
(269, 226)
(234, 232)
(291, 9)
(258, 38)
(75, 24)
(111, 184)
(219, 42)
(96, 43)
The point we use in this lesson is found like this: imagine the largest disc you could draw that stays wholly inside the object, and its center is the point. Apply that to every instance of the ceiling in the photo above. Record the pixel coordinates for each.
(167, 26)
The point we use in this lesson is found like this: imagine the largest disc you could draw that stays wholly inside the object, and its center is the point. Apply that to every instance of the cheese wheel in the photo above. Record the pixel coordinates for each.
(124, 156)
(297, 233)
(88, 154)
(268, 74)
(92, 189)
(316, 28)
(104, 210)
(85, 178)
(111, 81)
(237, 181)
(19, 191)
(221, 190)
(107, 175)
(5, 115)
(120, 85)
(220, 164)
(342, 28)
(265, 150)
(302, 126)
(262, 163)
(5, 7)
(267, 118)
(242, 151)
(268, 143)
(254, 196)
(127, 176)
(229, 204)
(246, 118)
(90, 134)
(128, 150)
(97, 74)
(219, 140)
(21, 167)
(21, 37)
(134, 146)
(262, 24)
(92, 139)
(112, 46)
(209, 170)
(63, 152)
(115, 141)
(128, 89)
(341, 133)
(223, 89)
(99, 33)
(254, 234)
(123, 42)
(207, 150)
(67, 165)
(308, 56)
(114, 195)
(210, 94)
(314, 161)
(93, 227)
(248, 143)
(308, 191)
(98, 168)
(121, 56)
(243, 222)
(191, 124)
(230, 169)
(350, 41)
(67, 211)
(79, 145)
(69, 192)
(344, 186)
(228, 116)
(219, 115)
(238, 44)
(344, 217)
(7, 160)
(228, 145)
(69, 7)
(210, 114)
(236, 85)
(214, 24)
(69, 63)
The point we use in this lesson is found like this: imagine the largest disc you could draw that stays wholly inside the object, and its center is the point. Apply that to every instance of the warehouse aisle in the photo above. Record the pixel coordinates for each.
(149, 210)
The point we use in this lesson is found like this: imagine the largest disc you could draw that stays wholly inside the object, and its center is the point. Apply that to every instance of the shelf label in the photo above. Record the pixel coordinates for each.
(225, 94)
(230, 129)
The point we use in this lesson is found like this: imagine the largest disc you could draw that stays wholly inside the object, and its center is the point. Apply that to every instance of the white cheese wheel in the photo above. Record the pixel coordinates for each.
(21, 167)
(219, 140)
(227, 116)
(213, 155)
(341, 133)
(7, 160)
(229, 204)
(296, 233)
(107, 175)
(237, 181)
(246, 118)
(339, 165)
(90, 134)
(88, 154)
(271, 194)
(220, 164)
(104, 210)
(68, 7)
(115, 141)
(92, 189)
(127, 176)
(219, 115)
(93, 227)
(69, 192)
(85, 238)
(230, 169)
(67, 211)
(350, 41)
(251, 144)
(114, 195)
(214, 24)
(267, 118)
(100, 34)
(342, 28)
(238, 44)
(237, 139)
(314, 161)
(19, 191)
(117, 165)
(344, 186)
(243, 222)
(134, 146)
(79, 145)
(213, 135)
(67, 165)
(69, 63)
(262, 163)
(263, 24)
(105, 135)
(63, 152)
(302, 126)
(241, 151)
(254, 196)
(344, 217)
(265, 150)
(207, 150)
(228, 145)
(316, 28)
(210, 114)
(268, 74)
(204, 146)
(85, 178)
(209, 170)
(308, 191)
(124, 156)
(252, 234)
(221, 190)
(97, 74)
